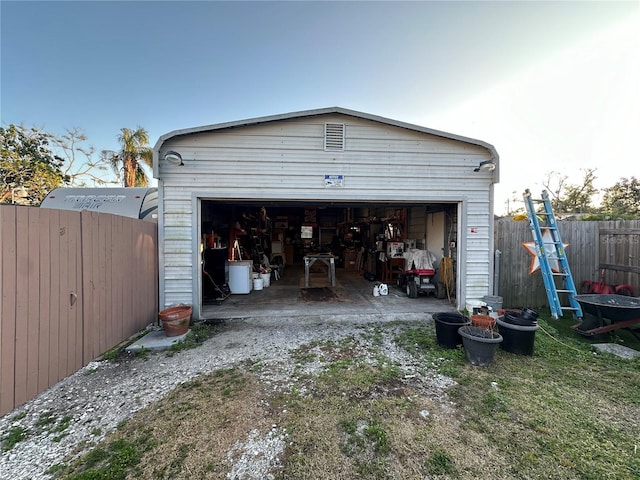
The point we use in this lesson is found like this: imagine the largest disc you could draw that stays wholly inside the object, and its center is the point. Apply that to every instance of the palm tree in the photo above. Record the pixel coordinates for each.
(134, 152)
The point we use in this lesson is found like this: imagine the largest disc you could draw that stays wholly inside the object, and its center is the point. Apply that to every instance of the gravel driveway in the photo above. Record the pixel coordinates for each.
(94, 400)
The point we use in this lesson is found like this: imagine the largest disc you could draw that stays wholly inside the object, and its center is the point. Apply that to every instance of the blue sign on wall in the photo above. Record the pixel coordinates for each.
(333, 181)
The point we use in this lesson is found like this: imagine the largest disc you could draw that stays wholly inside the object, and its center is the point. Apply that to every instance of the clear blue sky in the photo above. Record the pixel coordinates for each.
(553, 85)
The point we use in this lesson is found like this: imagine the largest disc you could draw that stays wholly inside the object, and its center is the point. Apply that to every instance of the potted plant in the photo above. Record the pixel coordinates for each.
(480, 343)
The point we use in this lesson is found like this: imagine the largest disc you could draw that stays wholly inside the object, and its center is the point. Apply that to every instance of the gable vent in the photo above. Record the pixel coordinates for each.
(334, 136)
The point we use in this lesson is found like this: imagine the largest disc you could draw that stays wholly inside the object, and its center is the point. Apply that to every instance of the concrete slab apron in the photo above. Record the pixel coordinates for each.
(354, 297)
(618, 350)
(155, 340)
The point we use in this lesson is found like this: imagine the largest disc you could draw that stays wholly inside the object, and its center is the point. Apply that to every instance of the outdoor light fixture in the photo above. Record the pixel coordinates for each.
(174, 158)
(487, 165)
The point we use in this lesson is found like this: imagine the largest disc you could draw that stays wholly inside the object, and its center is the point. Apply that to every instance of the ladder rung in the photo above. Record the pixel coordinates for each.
(568, 308)
(566, 291)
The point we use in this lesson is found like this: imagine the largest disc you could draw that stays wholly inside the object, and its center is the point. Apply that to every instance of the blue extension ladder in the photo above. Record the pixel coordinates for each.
(549, 223)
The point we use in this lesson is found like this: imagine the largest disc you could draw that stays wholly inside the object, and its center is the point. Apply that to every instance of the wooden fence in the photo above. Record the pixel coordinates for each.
(74, 284)
(592, 246)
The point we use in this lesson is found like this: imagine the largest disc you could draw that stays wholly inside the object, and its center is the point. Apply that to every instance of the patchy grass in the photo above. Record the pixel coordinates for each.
(185, 435)
(13, 437)
(198, 334)
(571, 411)
(46, 422)
(564, 412)
(350, 412)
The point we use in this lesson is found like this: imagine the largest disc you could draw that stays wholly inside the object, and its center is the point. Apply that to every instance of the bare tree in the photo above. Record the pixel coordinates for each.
(80, 167)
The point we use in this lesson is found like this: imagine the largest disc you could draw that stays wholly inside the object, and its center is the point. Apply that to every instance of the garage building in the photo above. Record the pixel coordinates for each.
(362, 188)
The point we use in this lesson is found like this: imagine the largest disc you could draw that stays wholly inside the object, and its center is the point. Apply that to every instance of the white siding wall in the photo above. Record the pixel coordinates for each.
(285, 160)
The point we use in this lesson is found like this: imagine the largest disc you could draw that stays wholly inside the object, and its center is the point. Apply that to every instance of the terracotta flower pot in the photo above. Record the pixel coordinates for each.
(484, 321)
(176, 320)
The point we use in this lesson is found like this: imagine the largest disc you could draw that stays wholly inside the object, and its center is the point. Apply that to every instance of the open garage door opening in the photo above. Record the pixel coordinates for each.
(394, 244)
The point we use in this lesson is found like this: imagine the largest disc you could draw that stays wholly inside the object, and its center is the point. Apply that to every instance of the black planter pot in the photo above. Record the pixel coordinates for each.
(529, 314)
(518, 319)
(447, 325)
(480, 344)
(518, 339)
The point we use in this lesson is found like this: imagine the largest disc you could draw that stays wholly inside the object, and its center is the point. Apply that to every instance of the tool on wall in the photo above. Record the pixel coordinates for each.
(549, 244)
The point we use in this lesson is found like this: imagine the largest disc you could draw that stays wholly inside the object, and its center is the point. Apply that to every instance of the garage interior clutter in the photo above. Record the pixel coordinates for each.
(248, 246)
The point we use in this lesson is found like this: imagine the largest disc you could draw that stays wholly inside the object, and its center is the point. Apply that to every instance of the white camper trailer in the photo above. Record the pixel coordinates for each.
(133, 202)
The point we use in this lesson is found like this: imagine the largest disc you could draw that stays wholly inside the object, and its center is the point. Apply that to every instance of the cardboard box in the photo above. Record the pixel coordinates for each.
(350, 260)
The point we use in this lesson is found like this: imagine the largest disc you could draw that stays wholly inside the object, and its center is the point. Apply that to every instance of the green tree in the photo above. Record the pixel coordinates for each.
(28, 163)
(623, 199)
(133, 155)
(577, 197)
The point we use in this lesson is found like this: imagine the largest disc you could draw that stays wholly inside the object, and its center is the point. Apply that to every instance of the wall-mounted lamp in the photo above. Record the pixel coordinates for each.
(174, 158)
(487, 165)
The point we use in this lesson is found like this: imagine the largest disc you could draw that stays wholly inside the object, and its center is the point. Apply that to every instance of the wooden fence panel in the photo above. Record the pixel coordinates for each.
(516, 286)
(8, 316)
(33, 311)
(44, 311)
(74, 284)
(53, 280)
(620, 253)
(21, 357)
(590, 245)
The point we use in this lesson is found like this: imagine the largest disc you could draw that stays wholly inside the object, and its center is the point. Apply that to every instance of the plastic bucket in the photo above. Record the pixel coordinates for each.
(493, 301)
(258, 284)
(447, 325)
(518, 339)
(266, 279)
(474, 306)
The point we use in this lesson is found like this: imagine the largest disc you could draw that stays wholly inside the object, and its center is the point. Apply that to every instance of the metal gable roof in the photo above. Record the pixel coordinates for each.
(317, 112)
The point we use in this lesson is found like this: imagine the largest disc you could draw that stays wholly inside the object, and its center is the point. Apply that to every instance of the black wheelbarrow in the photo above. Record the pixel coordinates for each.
(608, 312)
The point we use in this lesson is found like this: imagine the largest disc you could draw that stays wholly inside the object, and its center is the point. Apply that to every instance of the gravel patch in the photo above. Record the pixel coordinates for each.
(94, 400)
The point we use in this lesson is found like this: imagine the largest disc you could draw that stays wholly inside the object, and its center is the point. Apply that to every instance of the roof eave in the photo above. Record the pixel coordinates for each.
(316, 112)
